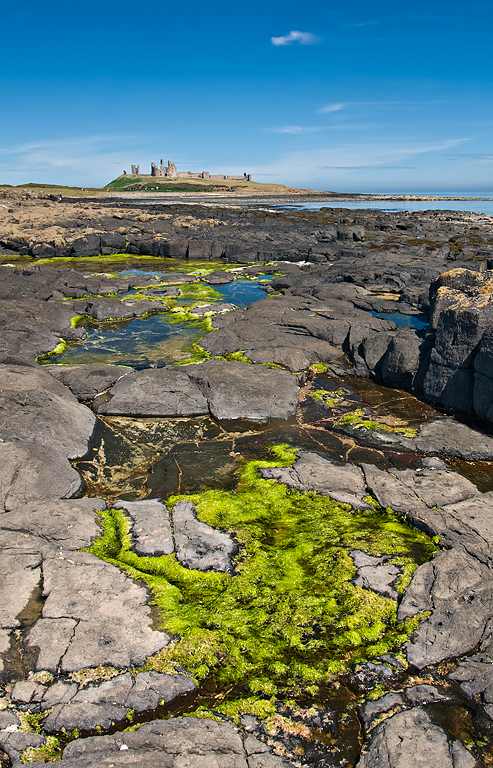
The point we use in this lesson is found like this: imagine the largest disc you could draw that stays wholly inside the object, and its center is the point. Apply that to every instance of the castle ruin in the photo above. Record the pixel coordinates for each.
(170, 172)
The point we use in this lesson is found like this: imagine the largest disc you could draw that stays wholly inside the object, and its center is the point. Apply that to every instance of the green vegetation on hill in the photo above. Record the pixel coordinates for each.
(143, 183)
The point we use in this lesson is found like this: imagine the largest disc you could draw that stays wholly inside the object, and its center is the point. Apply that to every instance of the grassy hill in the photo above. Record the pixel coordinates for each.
(143, 183)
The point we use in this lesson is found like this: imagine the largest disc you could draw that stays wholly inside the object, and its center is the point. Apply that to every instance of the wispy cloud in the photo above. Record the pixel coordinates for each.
(333, 107)
(295, 36)
(76, 158)
(357, 24)
(298, 129)
(345, 158)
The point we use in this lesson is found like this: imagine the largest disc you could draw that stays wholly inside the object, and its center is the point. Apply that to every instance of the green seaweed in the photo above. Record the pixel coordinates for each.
(289, 618)
(50, 752)
(330, 399)
(357, 419)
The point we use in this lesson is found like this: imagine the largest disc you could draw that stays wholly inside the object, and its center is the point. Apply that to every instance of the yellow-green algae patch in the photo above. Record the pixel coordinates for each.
(289, 618)
(357, 418)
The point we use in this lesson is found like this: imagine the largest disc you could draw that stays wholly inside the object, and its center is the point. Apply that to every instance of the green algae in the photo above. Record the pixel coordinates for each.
(289, 618)
(328, 398)
(357, 418)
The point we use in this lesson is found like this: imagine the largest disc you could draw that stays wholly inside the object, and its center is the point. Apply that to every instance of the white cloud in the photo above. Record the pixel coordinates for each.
(304, 38)
(334, 107)
(298, 129)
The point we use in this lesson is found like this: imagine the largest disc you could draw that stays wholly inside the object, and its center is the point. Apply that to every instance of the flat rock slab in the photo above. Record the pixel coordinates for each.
(93, 614)
(451, 438)
(56, 524)
(183, 742)
(311, 472)
(236, 390)
(198, 546)
(156, 392)
(229, 390)
(29, 472)
(101, 705)
(379, 578)
(35, 408)
(151, 527)
(410, 740)
(20, 574)
(87, 381)
(458, 591)
(116, 309)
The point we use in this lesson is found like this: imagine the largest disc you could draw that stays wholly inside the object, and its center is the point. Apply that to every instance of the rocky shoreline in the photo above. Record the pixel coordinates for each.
(78, 633)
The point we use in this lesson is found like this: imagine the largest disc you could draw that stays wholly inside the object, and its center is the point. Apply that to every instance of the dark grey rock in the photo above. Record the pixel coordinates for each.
(20, 574)
(152, 688)
(197, 545)
(451, 438)
(410, 739)
(156, 392)
(7, 717)
(311, 472)
(29, 472)
(111, 615)
(68, 524)
(151, 527)
(458, 591)
(237, 390)
(35, 408)
(27, 692)
(255, 747)
(379, 578)
(58, 693)
(51, 637)
(369, 674)
(87, 381)
(116, 309)
(15, 743)
(85, 717)
(420, 695)
(373, 709)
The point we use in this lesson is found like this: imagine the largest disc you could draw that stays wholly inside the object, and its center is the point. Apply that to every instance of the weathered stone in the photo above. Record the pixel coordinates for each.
(424, 694)
(35, 408)
(52, 637)
(311, 472)
(237, 390)
(30, 472)
(151, 527)
(68, 524)
(152, 688)
(84, 716)
(87, 381)
(27, 692)
(459, 592)
(113, 620)
(410, 740)
(451, 438)
(156, 392)
(197, 545)
(373, 709)
(379, 578)
(15, 743)
(7, 717)
(20, 574)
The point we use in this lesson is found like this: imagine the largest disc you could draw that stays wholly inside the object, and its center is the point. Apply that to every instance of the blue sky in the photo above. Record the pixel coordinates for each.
(361, 96)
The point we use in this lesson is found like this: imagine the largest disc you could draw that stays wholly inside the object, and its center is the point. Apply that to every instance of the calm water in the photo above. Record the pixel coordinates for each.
(418, 322)
(475, 206)
(153, 341)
